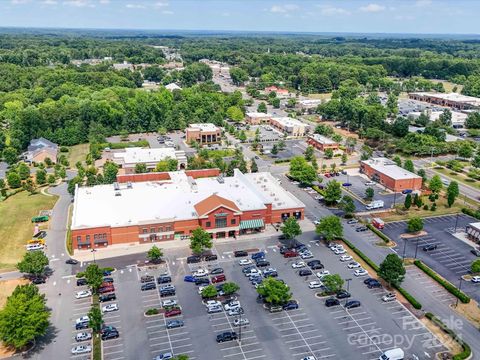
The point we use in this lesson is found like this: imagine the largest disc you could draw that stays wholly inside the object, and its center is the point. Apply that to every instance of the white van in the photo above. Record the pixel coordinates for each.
(393, 354)
(32, 247)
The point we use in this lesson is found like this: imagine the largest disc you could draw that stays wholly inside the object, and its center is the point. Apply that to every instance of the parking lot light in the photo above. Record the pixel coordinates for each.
(93, 252)
(459, 289)
(348, 288)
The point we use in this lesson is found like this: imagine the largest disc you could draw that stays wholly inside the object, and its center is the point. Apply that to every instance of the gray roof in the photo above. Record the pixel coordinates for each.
(41, 143)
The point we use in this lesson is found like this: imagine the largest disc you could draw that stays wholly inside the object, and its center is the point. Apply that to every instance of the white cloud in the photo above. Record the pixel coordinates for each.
(104, 2)
(423, 3)
(50, 2)
(78, 3)
(135, 6)
(372, 8)
(161, 4)
(225, 14)
(332, 11)
(18, 2)
(283, 8)
(167, 12)
(404, 17)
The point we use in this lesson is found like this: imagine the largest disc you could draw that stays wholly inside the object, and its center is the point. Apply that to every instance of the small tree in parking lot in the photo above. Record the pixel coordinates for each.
(415, 224)
(154, 254)
(94, 277)
(200, 240)
(274, 291)
(95, 319)
(209, 291)
(230, 288)
(408, 201)
(333, 282)
(369, 193)
(291, 228)
(475, 267)
(392, 270)
(33, 262)
(330, 228)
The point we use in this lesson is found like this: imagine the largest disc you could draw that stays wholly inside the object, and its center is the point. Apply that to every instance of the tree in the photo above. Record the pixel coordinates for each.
(94, 276)
(452, 193)
(30, 186)
(10, 155)
(466, 150)
(347, 205)
(417, 200)
(274, 150)
(253, 167)
(199, 240)
(333, 282)
(33, 263)
(423, 174)
(476, 161)
(167, 165)
(408, 201)
(276, 103)
(41, 176)
(242, 136)
(110, 171)
(408, 165)
(445, 118)
(392, 270)
(328, 153)
(436, 184)
(415, 224)
(274, 291)
(309, 153)
(140, 168)
(24, 317)
(262, 107)
(154, 254)
(48, 162)
(330, 227)
(238, 75)
(13, 180)
(230, 288)
(23, 171)
(397, 160)
(344, 158)
(301, 171)
(209, 291)
(332, 192)
(291, 228)
(72, 183)
(95, 319)
(235, 113)
(369, 193)
(475, 267)
(392, 104)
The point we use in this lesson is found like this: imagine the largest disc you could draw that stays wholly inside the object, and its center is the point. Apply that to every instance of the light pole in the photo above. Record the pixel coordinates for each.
(456, 222)
(416, 248)
(404, 248)
(459, 289)
(93, 252)
(348, 288)
(240, 327)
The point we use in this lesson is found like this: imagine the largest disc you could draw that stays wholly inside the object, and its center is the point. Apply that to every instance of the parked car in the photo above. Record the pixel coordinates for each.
(389, 297)
(83, 294)
(110, 335)
(305, 272)
(164, 356)
(245, 262)
(290, 254)
(211, 257)
(110, 308)
(241, 322)
(107, 289)
(374, 284)
(352, 304)
(235, 312)
(235, 304)
(202, 281)
(214, 309)
(275, 308)
(339, 251)
(107, 297)
(360, 272)
(345, 258)
(323, 273)
(258, 255)
(147, 278)
(81, 349)
(173, 312)
(291, 305)
(240, 253)
(263, 263)
(218, 278)
(315, 284)
(298, 265)
(343, 294)
(148, 286)
(200, 273)
(165, 279)
(353, 265)
(216, 271)
(172, 324)
(352, 221)
(71, 262)
(83, 336)
(193, 259)
(169, 303)
(306, 255)
(475, 279)
(39, 279)
(475, 252)
(361, 229)
(189, 278)
(332, 302)
(226, 336)
(108, 280)
(81, 282)
(430, 247)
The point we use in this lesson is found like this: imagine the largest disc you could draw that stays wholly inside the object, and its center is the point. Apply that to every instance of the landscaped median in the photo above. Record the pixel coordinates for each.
(464, 298)
(381, 235)
(375, 267)
(466, 350)
(97, 340)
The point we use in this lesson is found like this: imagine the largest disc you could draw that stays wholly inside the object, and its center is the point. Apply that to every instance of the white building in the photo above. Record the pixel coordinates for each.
(129, 157)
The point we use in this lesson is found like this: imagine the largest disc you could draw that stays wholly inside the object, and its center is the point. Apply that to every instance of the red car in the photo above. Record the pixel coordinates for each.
(173, 312)
(289, 254)
(106, 289)
(218, 278)
(327, 175)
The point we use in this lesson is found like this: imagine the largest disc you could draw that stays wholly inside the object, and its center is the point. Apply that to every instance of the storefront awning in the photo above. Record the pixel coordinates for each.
(251, 224)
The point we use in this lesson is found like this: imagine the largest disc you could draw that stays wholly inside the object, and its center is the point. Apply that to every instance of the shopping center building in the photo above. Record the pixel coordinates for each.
(154, 207)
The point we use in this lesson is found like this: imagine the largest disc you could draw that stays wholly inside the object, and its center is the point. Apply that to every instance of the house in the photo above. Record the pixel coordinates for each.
(40, 149)
(279, 91)
(203, 133)
(124, 66)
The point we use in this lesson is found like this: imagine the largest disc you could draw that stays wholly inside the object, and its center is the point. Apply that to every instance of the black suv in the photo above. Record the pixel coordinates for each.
(475, 252)
(315, 265)
(210, 257)
(108, 280)
(107, 297)
(39, 279)
(164, 279)
(167, 293)
(305, 272)
(81, 281)
(193, 259)
(263, 263)
(202, 281)
(227, 336)
(374, 284)
(430, 247)
(80, 326)
(343, 294)
(149, 286)
(240, 253)
(110, 335)
(331, 302)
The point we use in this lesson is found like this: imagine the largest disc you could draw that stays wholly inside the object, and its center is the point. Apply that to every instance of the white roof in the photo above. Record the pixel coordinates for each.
(204, 127)
(172, 86)
(457, 117)
(310, 102)
(451, 97)
(389, 168)
(322, 139)
(136, 155)
(258, 115)
(174, 199)
(288, 121)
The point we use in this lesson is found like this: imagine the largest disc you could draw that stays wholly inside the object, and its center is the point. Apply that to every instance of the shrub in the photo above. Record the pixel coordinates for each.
(153, 311)
(80, 275)
(471, 212)
(452, 289)
(433, 207)
(63, 149)
(425, 207)
(381, 235)
(108, 268)
(409, 298)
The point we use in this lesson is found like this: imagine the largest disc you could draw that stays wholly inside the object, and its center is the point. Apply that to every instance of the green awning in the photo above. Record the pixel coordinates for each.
(251, 224)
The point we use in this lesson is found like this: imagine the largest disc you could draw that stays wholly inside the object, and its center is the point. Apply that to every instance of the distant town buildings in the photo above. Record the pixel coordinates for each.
(174, 204)
(203, 133)
(452, 100)
(390, 175)
(458, 118)
(308, 104)
(256, 118)
(172, 87)
(321, 142)
(40, 149)
(279, 91)
(290, 126)
(129, 157)
(124, 66)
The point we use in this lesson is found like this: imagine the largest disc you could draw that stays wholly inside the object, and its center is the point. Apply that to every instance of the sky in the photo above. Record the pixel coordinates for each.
(358, 16)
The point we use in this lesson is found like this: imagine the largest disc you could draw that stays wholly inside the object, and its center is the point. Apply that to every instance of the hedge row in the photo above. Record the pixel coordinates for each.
(471, 212)
(281, 161)
(375, 267)
(466, 352)
(452, 289)
(377, 232)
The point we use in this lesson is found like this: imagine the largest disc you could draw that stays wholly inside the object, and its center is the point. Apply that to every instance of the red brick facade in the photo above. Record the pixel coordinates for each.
(397, 185)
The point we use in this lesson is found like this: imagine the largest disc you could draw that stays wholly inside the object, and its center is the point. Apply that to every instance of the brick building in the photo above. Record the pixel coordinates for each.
(256, 118)
(390, 175)
(453, 100)
(290, 126)
(321, 142)
(154, 207)
(40, 149)
(203, 133)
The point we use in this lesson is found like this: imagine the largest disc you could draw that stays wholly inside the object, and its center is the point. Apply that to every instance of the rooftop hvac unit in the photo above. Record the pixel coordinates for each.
(220, 179)
(276, 199)
(129, 185)
(118, 193)
(116, 186)
(272, 194)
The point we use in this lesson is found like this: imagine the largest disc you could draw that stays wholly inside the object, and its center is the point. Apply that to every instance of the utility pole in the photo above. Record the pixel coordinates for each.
(416, 248)
(404, 248)
(240, 328)
(348, 288)
(459, 289)
(456, 222)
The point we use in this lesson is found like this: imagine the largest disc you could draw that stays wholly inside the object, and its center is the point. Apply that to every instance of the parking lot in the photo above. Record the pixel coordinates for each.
(81, 307)
(451, 258)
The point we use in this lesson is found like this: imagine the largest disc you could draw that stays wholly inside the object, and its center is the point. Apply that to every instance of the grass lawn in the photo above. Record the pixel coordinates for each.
(16, 227)
(77, 153)
(458, 177)
(326, 96)
(442, 209)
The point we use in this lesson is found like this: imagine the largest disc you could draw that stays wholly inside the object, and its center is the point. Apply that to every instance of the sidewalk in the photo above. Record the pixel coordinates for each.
(136, 248)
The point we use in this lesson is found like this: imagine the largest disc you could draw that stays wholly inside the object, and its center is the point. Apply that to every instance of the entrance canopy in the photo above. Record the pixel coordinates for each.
(251, 224)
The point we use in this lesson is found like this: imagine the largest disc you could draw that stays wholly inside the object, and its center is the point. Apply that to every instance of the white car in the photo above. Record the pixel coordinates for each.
(83, 294)
(353, 265)
(389, 297)
(210, 303)
(234, 312)
(306, 255)
(200, 273)
(370, 183)
(200, 289)
(253, 272)
(244, 262)
(81, 349)
(316, 222)
(243, 322)
(232, 305)
(82, 319)
(322, 273)
(345, 258)
(164, 356)
(319, 197)
(315, 284)
(336, 247)
(476, 279)
(110, 308)
(169, 302)
(83, 336)
(339, 251)
(311, 357)
(34, 247)
(360, 272)
(298, 265)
